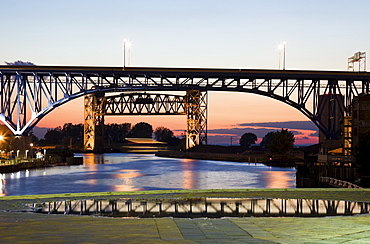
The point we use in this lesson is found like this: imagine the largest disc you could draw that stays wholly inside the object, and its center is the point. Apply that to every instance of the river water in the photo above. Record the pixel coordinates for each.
(134, 172)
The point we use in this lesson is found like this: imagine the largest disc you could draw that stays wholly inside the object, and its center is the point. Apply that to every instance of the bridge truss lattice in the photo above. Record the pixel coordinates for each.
(28, 93)
(193, 105)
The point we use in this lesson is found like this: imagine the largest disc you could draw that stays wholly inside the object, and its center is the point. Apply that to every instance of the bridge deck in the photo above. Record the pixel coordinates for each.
(209, 72)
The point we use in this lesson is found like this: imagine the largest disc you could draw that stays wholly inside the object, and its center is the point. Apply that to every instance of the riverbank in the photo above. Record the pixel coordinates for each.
(11, 166)
(245, 157)
(213, 156)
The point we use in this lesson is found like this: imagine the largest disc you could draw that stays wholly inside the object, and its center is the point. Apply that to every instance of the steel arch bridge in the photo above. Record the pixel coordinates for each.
(28, 93)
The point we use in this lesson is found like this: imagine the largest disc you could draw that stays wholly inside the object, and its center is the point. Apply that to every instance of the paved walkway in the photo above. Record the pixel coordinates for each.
(42, 228)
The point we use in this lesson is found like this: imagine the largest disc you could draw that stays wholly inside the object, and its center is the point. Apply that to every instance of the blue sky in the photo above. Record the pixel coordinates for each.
(320, 35)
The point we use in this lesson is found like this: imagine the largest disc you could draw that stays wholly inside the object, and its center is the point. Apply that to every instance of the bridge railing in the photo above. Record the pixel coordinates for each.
(338, 183)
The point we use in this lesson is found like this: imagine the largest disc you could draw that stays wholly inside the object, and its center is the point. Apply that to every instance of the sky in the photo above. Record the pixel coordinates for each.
(319, 35)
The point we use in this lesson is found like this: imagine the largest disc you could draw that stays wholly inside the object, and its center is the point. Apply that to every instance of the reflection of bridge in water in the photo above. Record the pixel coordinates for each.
(28, 93)
(205, 207)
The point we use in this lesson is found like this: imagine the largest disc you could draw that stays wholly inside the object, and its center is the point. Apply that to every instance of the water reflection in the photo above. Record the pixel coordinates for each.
(277, 179)
(133, 172)
(204, 207)
(126, 176)
(190, 175)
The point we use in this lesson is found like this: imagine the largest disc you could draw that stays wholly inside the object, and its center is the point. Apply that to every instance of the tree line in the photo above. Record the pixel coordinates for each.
(113, 133)
(277, 142)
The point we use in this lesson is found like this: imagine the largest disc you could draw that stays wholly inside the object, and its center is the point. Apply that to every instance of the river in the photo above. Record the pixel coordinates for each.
(134, 172)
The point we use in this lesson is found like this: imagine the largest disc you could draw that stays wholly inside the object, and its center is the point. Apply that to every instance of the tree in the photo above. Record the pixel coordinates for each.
(141, 130)
(116, 133)
(163, 134)
(247, 139)
(53, 136)
(267, 139)
(34, 138)
(73, 133)
(282, 142)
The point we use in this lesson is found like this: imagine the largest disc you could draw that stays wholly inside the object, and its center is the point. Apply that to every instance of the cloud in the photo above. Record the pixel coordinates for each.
(299, 125)
(303, 131)
(239, 131)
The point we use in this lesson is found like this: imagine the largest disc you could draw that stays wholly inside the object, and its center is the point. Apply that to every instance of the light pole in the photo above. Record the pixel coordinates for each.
(128, 44)
(282, 48)
(31, 150)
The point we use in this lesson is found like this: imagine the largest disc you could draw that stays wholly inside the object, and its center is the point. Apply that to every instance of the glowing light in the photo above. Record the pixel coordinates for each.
(1, 137)
(127, 43)
(281, 46)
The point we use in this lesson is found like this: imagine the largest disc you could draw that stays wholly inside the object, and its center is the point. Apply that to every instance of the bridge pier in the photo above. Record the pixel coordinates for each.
(94, 122)
(196, 118)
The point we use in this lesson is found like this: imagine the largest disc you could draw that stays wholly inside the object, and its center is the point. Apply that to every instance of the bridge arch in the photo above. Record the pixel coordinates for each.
(29, 93)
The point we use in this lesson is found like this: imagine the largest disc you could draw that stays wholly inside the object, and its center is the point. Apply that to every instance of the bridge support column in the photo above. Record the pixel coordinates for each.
(330, 113)
(196, 118)
(94, 122)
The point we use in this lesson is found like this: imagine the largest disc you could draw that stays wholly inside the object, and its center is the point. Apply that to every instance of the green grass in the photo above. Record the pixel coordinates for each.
(313, 193)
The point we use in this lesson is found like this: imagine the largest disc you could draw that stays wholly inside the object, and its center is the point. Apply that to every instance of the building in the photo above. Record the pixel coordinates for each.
(360, 118)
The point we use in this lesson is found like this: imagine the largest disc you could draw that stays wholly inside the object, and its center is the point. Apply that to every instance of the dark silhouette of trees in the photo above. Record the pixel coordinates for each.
(267, 139)
(116, 133)
(282, 142)
(247, 139)
(279, 143)
(164, 134)
(53, 136)
(141, 130)
(72, 133)
(34, 139)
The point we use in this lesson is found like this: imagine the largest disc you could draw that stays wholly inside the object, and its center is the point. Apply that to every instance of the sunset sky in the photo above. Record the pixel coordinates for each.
(319, 35)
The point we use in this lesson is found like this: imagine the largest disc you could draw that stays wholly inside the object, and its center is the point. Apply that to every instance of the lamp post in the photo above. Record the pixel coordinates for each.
(282, 48)
(31, 150)
(126, 44)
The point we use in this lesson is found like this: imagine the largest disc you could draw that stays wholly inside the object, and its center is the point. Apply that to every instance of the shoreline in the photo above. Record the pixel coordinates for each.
(242, 158)
(34, 164)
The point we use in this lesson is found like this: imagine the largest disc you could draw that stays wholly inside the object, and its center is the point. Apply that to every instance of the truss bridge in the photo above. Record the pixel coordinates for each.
(28, 93)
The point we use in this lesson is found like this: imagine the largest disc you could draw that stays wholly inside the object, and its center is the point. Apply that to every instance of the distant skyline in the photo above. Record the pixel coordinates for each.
(319, 35)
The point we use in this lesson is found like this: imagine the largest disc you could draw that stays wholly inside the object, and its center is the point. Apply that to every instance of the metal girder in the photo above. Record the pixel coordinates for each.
(144, 104)
(196, 118)
(28, 93)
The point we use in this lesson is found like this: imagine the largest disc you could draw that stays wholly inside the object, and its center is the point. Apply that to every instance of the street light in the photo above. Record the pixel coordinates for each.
(31, 150)
(126, 44)
(282, 48)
